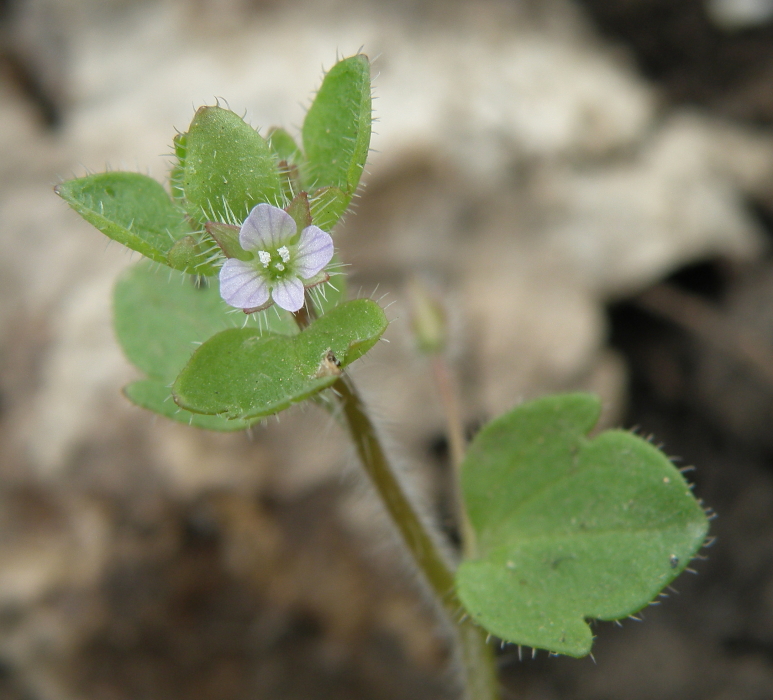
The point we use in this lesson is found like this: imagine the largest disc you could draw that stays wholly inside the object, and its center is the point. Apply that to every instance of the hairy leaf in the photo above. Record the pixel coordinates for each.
(226, 168)
(160, 318)
(130, 208)
(283, 145)
(155, 395)
(327, 206)
(336, 131)
(569, 528)
(240, 374)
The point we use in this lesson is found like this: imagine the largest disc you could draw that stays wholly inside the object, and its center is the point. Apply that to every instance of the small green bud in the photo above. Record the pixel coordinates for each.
(189, 255)
(428, 318)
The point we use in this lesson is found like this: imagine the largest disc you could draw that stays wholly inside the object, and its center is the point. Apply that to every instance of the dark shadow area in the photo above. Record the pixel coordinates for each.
(696, 61)
(708, 408)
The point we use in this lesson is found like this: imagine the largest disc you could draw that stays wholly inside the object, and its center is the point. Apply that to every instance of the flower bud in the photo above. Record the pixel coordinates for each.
(428, 318)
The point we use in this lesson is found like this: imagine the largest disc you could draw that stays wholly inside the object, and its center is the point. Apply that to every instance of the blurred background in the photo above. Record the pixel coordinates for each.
(587, 184)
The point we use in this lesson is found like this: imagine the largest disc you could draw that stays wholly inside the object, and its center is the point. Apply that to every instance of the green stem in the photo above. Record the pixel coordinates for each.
(416, 536)
(477, 657)
(480, 669)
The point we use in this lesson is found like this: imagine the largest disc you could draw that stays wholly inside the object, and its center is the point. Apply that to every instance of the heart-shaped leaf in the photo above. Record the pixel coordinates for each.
(130, 208)
(241, 374)
(336, 131)
(160, 318)
(225, 168)
(569, 528)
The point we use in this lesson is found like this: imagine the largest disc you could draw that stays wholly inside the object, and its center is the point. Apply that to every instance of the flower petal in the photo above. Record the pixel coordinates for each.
(266, 227)
(288, 293)
(241, 285)
(314, 251)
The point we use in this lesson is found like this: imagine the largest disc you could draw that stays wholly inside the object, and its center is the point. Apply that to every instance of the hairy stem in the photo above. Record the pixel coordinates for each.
(424, 550)
(476, 656)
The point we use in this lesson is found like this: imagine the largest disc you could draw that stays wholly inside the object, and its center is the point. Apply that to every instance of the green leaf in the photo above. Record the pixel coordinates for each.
(329, 295)
(130, 208)
(288, 156)
(336, 131)
(569, 528)
(155, 395)
(160, 318)
(226, 167)
(240, 374)
(327, 206)
(178, 167)
(283, 145)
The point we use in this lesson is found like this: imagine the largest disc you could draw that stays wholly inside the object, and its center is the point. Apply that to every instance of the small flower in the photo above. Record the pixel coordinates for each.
(283, 264)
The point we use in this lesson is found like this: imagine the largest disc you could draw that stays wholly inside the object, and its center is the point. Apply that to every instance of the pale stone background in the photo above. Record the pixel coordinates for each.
(521, 166)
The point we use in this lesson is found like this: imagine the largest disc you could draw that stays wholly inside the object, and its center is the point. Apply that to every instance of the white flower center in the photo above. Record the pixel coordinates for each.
(269, 259)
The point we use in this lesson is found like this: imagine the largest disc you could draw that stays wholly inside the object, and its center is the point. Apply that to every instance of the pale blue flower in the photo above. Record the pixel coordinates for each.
(284, 262)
